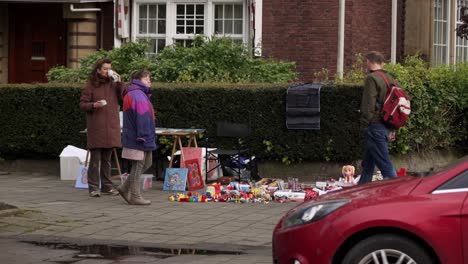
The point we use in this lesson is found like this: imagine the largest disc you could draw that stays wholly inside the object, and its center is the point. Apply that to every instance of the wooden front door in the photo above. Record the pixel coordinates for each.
(37, 41)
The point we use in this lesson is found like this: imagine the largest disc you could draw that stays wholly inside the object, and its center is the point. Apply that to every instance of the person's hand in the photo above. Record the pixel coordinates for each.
(118, 79)
(391, 136)
(99, 104)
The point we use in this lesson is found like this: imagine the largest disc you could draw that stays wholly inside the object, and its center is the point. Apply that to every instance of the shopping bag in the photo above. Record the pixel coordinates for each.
(81, 181)
(82, 177)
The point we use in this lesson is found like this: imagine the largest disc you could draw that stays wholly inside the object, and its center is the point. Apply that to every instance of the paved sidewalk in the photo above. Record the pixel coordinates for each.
(52, 210)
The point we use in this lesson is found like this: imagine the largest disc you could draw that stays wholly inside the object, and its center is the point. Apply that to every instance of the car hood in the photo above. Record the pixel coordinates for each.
(381, 190)
(374, 192)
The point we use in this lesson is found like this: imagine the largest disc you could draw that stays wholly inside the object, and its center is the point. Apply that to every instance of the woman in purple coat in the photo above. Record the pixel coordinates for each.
(138, 135)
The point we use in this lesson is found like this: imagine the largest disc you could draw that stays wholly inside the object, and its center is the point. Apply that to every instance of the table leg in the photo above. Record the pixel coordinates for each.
(174, 145)
(117, 161)
(181, 152)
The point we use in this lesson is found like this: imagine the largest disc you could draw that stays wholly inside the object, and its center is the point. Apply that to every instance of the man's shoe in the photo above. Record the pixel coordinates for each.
(95, 194)
(111, 192)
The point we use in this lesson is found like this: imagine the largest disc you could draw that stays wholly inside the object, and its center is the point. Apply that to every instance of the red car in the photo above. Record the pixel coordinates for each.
(409, 219)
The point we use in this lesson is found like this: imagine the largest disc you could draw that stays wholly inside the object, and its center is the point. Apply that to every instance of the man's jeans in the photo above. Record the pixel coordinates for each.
(376, 154)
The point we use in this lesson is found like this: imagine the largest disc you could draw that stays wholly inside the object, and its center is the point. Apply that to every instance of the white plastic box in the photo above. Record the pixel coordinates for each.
(146, 180)
(70, 160)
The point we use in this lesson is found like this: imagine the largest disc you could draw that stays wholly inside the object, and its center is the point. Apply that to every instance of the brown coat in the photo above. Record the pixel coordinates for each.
(103, 124)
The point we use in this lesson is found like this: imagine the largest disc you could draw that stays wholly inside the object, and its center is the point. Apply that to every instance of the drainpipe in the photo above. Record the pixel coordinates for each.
(394, 31)
(341, 26)
(73, 9)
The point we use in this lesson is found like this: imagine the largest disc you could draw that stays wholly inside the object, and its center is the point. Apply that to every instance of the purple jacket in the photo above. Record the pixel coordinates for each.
(138, 118)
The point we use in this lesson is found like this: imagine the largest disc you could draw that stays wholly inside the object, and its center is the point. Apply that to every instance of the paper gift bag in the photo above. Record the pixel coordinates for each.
(190, 153)
(81, 181)
(199, 154)
(82, 178)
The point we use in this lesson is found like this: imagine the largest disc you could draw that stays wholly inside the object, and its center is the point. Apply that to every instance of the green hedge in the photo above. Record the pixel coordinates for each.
(39, 120)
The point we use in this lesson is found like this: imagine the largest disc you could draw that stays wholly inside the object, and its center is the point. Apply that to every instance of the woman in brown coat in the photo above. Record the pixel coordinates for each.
(99, 99)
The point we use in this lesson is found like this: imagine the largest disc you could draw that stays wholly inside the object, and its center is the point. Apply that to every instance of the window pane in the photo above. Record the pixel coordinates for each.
(190, 10)
(180, 30)
(161, 11)
(199, 30)
(152, 11)
(143, 11)
(180, 9)
(162, 27)
(228, 27)
(180, 22)
(200, 9)
(228, 11)
(161, 44)
(190, 22)
(142, 27)
(238, 11)
(219, 11)
(152, 26)
(238, 27)
(190, 30)
(153, 46)
(219, 27)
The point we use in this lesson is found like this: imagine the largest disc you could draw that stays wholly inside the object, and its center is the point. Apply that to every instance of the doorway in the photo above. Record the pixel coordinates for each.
(37, 41)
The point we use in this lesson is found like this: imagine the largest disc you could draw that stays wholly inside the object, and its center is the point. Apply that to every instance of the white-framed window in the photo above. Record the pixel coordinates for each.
(440, 54)
(461, 44)
(190, 21)
(166, 22)
(229, 20)
(152, 24)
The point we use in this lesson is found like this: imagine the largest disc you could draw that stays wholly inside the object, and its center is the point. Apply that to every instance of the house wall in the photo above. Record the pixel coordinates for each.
(306, 31)
(419, 26)
(3, 43)
(83, 36)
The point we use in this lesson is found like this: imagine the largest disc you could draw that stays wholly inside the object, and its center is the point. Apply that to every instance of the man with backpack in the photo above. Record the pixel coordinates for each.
(377, 133)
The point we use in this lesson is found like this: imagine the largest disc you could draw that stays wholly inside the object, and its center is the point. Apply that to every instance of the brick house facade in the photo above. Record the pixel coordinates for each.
(306, 31)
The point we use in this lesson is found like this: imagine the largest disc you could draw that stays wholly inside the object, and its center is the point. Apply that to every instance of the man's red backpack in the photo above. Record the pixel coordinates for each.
(396, 107)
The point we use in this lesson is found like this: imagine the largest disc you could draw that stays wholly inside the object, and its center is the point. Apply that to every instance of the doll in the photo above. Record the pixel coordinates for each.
(348, 173)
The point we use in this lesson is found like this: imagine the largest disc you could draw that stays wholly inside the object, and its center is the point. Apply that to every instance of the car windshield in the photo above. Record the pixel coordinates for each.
(435, 170)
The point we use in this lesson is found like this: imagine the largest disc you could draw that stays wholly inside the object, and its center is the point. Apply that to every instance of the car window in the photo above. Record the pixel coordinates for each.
(458, 183)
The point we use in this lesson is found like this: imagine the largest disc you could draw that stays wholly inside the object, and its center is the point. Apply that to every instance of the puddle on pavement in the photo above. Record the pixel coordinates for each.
(116, 252)
(5, 206)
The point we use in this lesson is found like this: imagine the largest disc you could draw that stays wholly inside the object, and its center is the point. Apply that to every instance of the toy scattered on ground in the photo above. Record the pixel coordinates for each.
(348, 173)
(267, 189)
